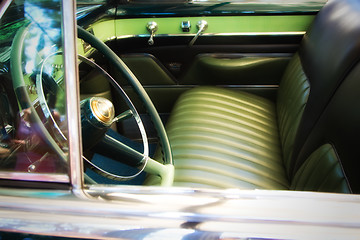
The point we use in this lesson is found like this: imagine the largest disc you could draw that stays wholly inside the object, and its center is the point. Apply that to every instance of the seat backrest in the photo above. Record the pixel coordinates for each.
(332, 150)
(328, 52)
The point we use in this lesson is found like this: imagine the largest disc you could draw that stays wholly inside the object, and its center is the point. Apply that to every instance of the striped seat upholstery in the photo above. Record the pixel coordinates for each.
(232, 139)
(227, 139)
(307, 140)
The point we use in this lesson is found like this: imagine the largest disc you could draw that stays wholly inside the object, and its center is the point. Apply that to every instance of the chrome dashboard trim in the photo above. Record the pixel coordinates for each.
(224, 85)
(256, 34)
(239, 34)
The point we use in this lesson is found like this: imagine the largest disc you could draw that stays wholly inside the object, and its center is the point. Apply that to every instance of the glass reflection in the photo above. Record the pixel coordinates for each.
(44, 35)
(33, 131)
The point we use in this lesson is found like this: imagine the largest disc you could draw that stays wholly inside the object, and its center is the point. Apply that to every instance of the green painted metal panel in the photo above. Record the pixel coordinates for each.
(221, 25)
(217, 25)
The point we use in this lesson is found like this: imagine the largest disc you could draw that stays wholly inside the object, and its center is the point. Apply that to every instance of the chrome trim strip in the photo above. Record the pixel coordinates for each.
(137, 213)
(4, 6)
(38, 177)
(297, 33)
(71, 74)
(256, 33)
(192, 86)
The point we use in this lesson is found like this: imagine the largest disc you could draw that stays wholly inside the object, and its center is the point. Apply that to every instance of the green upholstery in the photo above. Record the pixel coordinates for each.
(321, 172)
(308, 140)
(226, 69)
(226, 139)
(146, 68)
(292, 97)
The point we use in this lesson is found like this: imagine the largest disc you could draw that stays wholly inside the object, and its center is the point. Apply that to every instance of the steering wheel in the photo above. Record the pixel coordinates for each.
(152, 166)
(134, 82)
(165, 170)
(23, 96)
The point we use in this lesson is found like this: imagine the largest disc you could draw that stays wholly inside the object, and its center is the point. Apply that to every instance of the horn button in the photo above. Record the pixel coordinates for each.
(102, 109)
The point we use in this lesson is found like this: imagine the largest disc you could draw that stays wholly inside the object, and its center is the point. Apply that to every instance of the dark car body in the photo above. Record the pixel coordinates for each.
(79, 140)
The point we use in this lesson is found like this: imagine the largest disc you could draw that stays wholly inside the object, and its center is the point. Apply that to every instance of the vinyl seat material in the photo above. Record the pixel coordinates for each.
(232, 139)
(231, 135)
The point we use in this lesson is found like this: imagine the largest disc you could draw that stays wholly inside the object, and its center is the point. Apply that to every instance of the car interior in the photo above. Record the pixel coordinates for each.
(302, 141)
(247, 112)
(292, 138)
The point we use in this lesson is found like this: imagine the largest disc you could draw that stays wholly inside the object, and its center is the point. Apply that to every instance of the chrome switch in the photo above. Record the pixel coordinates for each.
(185, 26)
(202, 26)
(152, 27)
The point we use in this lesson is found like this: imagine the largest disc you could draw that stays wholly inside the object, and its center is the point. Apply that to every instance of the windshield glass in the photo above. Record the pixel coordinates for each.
(33, 138)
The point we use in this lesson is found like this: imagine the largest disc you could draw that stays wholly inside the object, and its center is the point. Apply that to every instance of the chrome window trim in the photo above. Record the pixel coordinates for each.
(37, 177)
(72, 96)
(4, 6)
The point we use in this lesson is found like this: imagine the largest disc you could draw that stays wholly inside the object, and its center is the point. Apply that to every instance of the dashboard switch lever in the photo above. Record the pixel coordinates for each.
(202, 26)
(152, 27)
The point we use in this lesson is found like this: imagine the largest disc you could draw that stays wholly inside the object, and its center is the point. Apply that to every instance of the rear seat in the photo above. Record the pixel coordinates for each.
(227, 139)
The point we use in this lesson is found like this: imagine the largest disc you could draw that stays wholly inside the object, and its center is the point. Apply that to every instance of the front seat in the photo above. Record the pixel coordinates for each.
(226, 139)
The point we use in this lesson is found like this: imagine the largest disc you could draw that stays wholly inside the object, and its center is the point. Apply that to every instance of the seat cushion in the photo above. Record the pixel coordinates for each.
(226, 139)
